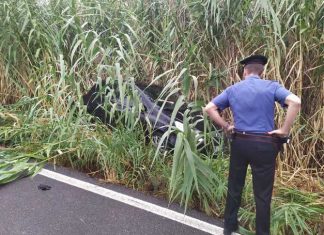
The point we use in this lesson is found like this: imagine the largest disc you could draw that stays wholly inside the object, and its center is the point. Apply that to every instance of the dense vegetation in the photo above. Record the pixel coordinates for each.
(51, 53)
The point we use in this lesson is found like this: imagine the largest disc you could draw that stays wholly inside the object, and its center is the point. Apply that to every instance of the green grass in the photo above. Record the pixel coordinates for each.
(123, 156)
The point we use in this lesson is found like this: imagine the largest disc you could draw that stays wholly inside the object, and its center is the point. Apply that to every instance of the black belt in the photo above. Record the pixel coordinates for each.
(260, 137)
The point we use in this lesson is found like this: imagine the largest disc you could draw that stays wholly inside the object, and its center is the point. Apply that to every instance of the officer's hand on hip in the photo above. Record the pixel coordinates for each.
(229, 129)
(279, 132)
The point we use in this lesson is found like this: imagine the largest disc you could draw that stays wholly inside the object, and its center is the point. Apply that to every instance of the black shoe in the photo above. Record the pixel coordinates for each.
(227, 231)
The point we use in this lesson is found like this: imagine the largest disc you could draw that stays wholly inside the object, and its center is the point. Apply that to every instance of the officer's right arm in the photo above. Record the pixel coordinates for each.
(212, 110)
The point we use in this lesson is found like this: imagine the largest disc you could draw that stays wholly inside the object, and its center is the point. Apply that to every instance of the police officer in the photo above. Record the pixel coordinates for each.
(255, 140)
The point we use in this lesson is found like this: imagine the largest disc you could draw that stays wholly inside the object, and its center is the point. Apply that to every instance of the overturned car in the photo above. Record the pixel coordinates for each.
(162, 117)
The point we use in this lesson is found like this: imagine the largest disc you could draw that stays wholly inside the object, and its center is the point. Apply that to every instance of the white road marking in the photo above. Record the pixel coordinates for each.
(158, 210)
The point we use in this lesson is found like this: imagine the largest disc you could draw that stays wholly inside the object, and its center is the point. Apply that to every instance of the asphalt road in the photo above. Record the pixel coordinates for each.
(24, 209)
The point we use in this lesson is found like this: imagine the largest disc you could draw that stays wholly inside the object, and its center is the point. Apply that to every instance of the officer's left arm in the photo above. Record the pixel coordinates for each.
(212, 110)
(294, 103)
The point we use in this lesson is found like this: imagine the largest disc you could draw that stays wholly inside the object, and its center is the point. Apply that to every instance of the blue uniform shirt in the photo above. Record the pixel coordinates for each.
(252, 102)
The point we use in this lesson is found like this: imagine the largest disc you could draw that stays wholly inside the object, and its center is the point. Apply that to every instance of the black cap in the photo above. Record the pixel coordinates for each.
(255, 59)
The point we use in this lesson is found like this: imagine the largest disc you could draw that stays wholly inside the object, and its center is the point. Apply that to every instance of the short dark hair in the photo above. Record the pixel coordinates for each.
(254, 68)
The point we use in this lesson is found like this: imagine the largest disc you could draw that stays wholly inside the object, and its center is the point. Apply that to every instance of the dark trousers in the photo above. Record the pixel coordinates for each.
(262, 158)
